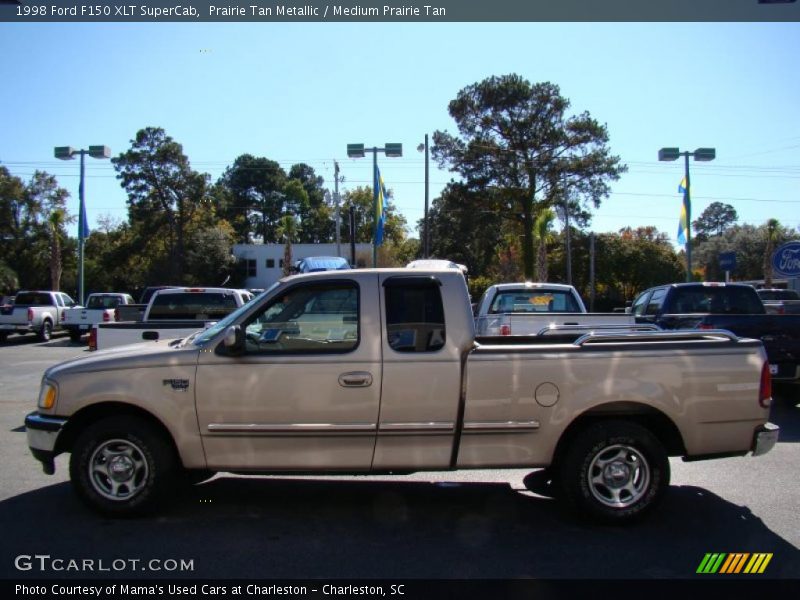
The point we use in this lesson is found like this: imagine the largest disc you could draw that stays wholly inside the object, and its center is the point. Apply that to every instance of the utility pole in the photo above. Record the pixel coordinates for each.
(336, 210)
(591, 272)
(568, 232)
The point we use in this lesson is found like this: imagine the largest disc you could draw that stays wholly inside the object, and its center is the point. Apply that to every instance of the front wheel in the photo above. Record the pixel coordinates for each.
(615, 471)
(122, 466)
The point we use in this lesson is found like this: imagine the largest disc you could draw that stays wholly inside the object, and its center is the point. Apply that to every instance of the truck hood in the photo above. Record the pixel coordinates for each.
(135, 356)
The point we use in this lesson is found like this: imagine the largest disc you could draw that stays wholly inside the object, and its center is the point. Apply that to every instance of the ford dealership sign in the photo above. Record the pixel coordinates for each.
(786, 260)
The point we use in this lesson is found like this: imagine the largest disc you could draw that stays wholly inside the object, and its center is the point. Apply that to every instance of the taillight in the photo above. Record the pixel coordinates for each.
(63, 316)
(505, 329)
(705, 326)
(93, 339)
(30, 314)
(106, 316)
(765, 389)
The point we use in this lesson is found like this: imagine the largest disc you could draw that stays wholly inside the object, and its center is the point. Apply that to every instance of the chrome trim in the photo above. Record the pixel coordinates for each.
(501, 426)
(687, 335)
(42, 432)
(765, 438)
(413, 428)
(293, 428)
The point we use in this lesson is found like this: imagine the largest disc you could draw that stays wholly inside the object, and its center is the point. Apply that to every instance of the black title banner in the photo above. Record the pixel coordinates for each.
(408, 11)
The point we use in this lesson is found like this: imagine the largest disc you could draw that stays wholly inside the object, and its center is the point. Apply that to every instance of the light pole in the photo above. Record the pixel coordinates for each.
(358, 151)
(703, 155)
(68, 153)
(425, 234)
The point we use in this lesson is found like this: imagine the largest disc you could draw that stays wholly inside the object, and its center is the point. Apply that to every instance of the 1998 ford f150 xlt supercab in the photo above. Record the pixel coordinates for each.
(379, 371)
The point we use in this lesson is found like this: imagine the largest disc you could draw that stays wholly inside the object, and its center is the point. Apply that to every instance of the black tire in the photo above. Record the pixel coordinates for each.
(3, 337)
(45, 331)
(123, 466)
(614, 472)
(75, 336)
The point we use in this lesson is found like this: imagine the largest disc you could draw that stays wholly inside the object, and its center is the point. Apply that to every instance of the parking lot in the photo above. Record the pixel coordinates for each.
(473, 524)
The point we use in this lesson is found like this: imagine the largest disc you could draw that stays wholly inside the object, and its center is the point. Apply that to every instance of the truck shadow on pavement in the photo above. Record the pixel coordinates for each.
(233, 527)
(785, 412)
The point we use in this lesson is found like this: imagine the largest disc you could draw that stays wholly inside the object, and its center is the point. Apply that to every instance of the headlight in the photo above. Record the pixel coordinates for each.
(47, 395)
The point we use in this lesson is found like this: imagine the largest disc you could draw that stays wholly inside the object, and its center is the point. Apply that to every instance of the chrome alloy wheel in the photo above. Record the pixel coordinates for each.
(618, 476)
(118, 469)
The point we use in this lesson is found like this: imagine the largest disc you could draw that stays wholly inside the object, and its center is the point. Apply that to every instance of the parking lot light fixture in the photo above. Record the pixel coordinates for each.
(703, 155)
(359, 151)
(68, 153)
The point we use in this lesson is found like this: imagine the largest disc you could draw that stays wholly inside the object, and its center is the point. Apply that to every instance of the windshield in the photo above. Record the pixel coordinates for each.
(214, 330)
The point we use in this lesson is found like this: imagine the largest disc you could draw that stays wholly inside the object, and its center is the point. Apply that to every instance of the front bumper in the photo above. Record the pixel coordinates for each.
(43, 432)
(764, 438)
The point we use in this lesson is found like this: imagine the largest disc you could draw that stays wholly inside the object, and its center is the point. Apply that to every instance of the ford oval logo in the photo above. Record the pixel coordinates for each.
(786, 260)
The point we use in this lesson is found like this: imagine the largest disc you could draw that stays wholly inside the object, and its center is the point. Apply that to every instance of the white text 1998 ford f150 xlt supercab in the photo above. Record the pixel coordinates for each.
(379, 371)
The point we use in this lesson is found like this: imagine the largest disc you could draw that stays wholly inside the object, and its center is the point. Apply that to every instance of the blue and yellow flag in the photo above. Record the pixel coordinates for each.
(682, 225)
(380, 209)
(682, 186)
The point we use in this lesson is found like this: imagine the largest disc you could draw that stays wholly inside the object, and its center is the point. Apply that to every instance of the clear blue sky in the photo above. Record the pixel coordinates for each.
(302, 92)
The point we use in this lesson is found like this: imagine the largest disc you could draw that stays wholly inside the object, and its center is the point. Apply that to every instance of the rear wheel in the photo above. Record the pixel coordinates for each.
(615, 471)
(45, 331)
(3, 337)
(123, 466)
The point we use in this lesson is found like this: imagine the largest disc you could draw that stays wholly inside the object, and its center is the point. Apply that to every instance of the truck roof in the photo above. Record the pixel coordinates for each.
(529, 285)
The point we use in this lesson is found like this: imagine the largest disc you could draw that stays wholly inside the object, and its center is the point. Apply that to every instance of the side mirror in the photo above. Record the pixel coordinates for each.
(233, 341)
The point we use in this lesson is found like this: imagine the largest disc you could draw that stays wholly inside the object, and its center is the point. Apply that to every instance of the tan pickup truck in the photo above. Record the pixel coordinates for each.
(379, 371)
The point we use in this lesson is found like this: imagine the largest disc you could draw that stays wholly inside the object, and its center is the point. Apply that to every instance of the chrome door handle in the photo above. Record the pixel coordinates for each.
(355, 379)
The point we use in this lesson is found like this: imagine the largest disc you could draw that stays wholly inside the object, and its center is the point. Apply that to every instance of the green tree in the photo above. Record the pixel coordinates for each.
(55, 222)
(255, 202)
(543, 236)
(287, 230)
(316, 214)
(750, 245)
(465, 226)
(164, 194)
(714, 220)
(516, 137)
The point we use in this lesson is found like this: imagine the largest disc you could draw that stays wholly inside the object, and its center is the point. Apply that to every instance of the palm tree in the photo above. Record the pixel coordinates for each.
(773, 231)
(542, 236)
(55, 222)
(287, 229)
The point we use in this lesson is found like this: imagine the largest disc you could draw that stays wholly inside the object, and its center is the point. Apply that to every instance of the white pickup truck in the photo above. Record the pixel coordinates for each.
(538, 308)
(34, 312)
(171, 313)
(377, 371)
(100, 308)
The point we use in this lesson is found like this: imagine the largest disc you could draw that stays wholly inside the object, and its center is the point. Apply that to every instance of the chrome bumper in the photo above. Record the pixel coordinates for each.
(42, 435)
(765, 438)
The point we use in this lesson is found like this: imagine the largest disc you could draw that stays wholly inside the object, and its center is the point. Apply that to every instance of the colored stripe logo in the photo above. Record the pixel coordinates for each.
(734, 563)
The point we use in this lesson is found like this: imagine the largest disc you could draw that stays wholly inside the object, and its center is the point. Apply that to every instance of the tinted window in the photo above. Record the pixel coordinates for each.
(640, 304)
(103, 302)
(307, 319)
(414, 317)
(192, 305)
(655, 302)
(33, 299)
(778, 295)
(718, 300)
(527, 301)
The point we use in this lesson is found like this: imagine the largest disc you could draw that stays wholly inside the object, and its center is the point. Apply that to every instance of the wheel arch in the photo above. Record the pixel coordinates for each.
(652, 419)
(89, 415)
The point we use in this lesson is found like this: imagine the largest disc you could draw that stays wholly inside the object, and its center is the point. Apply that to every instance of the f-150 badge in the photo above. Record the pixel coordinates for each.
(180, 385)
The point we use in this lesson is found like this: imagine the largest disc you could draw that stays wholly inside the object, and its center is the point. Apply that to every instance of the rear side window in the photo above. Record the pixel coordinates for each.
(104, 302)
(536, 301)
(414, 315)
(193, 305)
(656, 301)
